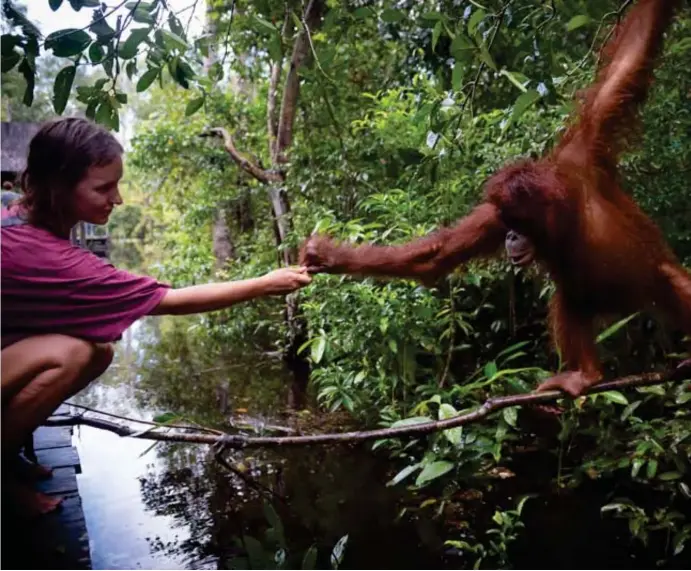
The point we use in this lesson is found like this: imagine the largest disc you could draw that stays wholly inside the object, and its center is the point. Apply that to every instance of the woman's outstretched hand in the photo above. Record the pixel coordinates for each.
(285, 280)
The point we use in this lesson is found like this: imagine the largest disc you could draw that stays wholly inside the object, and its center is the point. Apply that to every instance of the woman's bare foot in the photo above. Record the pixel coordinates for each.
(29, 503)
(28, 470)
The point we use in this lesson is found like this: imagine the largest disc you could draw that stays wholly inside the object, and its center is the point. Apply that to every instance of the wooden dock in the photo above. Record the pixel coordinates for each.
(58, 540)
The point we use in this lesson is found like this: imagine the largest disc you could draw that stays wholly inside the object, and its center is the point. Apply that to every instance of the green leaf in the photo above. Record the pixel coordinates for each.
(275, 48)
(275, 521)
(131, 69)
(128, 49)
(462, 48)
(510, 415)
(91, 109)
(524, 101)
(393, 345)
(636, 466)
(318, 348)
(433, 470)
(518, 79)
(309, 561)
(100, 27)
(475, 20)
(147, 79)
(670, 476)
(457, 76)
(68, 42)
(486, 57)
(255, 552)
(9, 61)
(96, 53)
(215, 72)
(54, 4)
(403, 474)
(165, 417)
(193, 106)
(651, 469)
(410, 421)
(577, 22)
(108, 61)
(522, 501)
(264, 25)
(390, 15)
(630, 409)
(611, 330)
(453, 435)
(27, 70)
(436, 32)
(79, 4)
(490, 369)
(18, 19)
(338, 552)
(142, 16)
(297, 21)
(173, 41)
(175, 25)
(615, 396)
(139, 4)
(62, 87)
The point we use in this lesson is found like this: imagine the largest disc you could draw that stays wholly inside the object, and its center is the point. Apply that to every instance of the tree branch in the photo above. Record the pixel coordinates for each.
(241, 160)
(291, 90)
(276, 69)
(239, 441)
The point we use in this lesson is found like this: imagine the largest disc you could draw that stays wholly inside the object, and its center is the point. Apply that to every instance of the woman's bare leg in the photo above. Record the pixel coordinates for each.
(38, 374)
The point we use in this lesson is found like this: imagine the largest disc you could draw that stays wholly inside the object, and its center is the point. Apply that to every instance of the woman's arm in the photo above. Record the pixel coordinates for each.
(210, 297)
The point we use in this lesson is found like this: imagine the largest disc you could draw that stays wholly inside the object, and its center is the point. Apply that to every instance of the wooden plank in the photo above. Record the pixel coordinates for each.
(64, 480)
(64, 457)
(52, 437)
(62, 410)
(53, 541)
(58, 540)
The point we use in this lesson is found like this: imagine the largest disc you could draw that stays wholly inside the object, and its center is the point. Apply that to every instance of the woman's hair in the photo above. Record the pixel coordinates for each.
(60, 154)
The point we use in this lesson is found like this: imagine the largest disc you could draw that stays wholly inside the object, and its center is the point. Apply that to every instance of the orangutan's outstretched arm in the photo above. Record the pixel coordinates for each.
(480, 233)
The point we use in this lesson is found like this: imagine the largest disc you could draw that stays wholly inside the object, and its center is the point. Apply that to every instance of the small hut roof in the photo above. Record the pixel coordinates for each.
(15, 144)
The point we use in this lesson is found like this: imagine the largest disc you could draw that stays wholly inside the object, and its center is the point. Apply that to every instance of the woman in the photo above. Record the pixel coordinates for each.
(62, 306)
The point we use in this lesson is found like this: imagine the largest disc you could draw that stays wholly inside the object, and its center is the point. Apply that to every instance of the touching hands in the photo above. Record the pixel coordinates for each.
(285, 280)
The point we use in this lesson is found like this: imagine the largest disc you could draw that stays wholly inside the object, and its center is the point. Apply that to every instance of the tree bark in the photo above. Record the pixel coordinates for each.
(223, 247)
(280, 138)
(221, 238)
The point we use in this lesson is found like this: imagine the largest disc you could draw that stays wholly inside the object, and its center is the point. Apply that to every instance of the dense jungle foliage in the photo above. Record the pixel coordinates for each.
(403, 109)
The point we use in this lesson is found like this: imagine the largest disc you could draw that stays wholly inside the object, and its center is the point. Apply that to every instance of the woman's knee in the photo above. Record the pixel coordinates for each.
(89, 360)
(77, 358)
(101, 358)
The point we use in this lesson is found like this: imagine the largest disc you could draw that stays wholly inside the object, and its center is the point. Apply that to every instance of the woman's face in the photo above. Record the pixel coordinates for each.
(97, 193)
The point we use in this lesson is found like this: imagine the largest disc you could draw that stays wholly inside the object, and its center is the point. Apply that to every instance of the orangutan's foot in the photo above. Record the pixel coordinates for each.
(573, 383)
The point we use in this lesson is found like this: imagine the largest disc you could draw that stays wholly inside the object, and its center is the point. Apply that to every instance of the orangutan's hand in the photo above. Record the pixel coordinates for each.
(320, 254)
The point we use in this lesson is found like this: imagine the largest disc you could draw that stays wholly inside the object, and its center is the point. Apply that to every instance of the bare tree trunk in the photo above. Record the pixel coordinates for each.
(280, 138)
(222, 240)
(223, 247)
(280, 203)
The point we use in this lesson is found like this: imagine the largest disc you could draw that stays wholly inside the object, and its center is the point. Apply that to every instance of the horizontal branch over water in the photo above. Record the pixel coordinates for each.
(241, 441)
